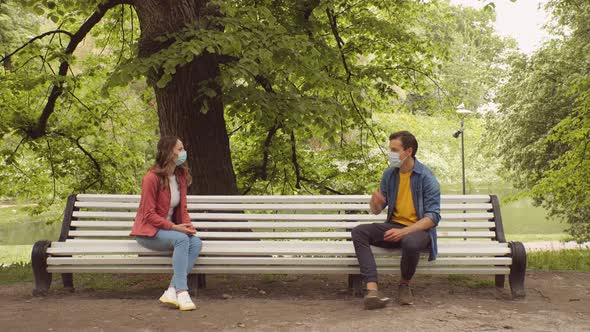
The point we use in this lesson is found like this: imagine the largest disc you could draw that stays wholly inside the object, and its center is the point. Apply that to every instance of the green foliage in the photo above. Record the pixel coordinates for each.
(306, 87)
(474, 62)
(543, 129)
(16, 24)
(96, 143)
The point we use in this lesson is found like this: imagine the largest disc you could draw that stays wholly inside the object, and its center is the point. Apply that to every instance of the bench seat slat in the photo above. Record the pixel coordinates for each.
(269, 243)
(390, 261)
(262, 248)
(276, 235)
(276, 225)
(275, 269)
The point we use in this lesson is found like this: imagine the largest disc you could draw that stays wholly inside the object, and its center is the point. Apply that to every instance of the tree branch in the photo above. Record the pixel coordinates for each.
(339, 42)
(95, 163)
(39, 129)
(264, 83)
(267, 86)
(320, 185)
(441, 89)
(365, 122)
(266, 150)
(294, 160)
(45, 34)
(225, 59)
(52, 171)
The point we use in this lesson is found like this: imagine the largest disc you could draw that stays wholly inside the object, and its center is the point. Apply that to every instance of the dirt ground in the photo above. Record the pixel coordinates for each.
(554, 302)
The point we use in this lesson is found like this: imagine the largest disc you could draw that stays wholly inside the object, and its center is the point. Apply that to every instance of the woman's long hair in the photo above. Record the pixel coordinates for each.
(165, 161)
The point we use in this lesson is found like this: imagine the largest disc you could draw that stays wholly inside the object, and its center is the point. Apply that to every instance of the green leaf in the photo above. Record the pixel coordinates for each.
(166, 77)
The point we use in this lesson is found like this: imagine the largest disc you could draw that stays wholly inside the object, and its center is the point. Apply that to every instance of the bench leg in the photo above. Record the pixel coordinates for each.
(196, 281)
(202, 281)
(517, 270)
(355, 282)
(500, 278)
(39, 263)
(68, 281)
(193, 284)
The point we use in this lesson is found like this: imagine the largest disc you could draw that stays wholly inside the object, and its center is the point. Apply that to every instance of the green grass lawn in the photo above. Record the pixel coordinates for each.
(562, 260)
(15, 254)
(537, 237)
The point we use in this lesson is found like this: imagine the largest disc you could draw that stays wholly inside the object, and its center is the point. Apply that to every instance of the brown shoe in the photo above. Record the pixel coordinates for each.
(374, 300)
(405, 296)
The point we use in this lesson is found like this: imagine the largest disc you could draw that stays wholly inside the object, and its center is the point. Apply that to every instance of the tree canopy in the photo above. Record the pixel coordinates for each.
(543, 127)
(300, 89)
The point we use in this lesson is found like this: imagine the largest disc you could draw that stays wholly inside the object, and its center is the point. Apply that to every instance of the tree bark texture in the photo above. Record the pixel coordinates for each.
(179, 109)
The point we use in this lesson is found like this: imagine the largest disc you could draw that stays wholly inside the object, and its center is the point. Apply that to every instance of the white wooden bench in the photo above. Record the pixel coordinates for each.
(275, 235)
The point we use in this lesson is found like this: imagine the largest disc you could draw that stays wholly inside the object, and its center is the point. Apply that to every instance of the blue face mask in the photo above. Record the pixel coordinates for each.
(394, 160)
(181, 158)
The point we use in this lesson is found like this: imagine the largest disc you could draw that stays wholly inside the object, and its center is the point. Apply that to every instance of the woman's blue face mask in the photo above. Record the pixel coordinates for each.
(181, 158)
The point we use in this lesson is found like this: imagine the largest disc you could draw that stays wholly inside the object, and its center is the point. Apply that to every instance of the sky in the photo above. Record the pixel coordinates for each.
(521, 20)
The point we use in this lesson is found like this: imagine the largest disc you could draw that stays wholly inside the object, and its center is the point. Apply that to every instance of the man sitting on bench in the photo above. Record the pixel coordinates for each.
(412, 194)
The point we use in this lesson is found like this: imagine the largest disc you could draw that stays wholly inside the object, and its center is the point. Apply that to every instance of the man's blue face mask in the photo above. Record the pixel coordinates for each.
(394, 160)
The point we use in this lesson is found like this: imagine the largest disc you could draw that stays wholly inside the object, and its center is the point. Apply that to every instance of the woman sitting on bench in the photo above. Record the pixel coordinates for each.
(162, 222)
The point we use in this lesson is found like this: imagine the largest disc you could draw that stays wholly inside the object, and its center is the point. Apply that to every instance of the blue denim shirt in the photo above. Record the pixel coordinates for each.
(425, 193)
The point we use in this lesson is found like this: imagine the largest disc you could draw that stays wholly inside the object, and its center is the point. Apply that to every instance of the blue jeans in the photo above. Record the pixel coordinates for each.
(186, 250)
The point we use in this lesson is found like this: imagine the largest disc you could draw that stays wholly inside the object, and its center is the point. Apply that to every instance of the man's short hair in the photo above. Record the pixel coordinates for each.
(408, 140)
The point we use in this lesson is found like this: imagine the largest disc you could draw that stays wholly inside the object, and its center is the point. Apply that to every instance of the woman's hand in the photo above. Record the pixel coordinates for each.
(187, 229)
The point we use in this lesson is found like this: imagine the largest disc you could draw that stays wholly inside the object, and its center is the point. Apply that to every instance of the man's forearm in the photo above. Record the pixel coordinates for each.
(374, 208)
(421, 225)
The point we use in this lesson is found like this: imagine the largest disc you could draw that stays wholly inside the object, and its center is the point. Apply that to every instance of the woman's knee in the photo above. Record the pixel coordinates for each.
(181, 239)
(196, 242)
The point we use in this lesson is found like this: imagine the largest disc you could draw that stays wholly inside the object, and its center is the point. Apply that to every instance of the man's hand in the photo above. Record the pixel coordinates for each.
(395, 234)
(187, 229)
(377, 202)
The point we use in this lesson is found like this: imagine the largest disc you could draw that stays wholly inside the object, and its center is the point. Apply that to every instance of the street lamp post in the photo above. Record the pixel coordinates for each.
(462, 112)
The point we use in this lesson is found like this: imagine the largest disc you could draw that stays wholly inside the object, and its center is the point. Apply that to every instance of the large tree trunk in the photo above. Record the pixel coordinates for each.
(204, 134)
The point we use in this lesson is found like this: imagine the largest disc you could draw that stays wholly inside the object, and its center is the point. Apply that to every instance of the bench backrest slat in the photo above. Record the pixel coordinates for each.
(313, 217)
(275, 198)
(362, 207)
(203, 225)
(273, 235)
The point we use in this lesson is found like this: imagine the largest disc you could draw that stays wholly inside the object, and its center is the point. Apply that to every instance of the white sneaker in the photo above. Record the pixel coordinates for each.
(169, 298)
(185, 302)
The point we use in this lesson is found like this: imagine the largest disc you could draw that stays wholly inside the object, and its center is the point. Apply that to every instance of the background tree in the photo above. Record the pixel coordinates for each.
(543, 128)
(474, 64)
